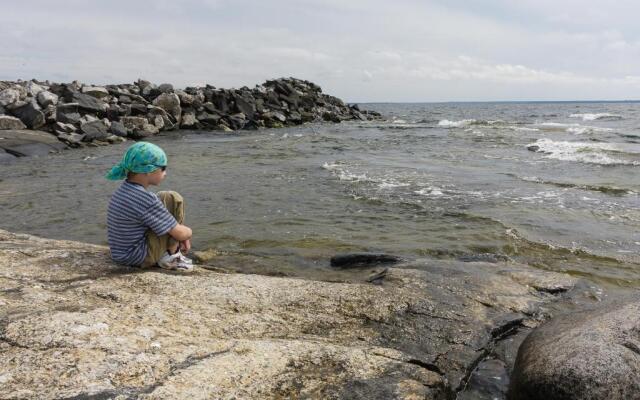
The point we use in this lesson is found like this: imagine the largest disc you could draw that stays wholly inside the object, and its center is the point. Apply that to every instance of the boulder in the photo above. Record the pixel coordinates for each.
(89, 103)
(131, 123)
(146, 131)
(9, 96)
(60, 127)
(137, 109)
(165, 88)
(24, 143)
(236, 121)
(31, 115)
(188, 120)
(68, 113)
(95, 130)
(138, 127)
(8, 122)
(33, 89)
(170, 102)
(46, 98)
(95, 91)
(72, 139)
(593, 354)
(186, 99)
(245, 105)
(118, 129)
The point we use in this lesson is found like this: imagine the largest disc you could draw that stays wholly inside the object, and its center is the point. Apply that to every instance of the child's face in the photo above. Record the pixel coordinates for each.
(157, 176)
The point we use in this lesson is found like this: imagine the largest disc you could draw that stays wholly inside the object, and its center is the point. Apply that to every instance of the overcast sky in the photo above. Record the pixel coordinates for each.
(403, 50)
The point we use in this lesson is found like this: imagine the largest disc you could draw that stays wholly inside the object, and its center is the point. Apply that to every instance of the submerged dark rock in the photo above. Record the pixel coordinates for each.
(358, 260)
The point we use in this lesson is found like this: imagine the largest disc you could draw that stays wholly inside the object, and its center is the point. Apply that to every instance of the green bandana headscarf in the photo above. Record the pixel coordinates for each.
(141, 158)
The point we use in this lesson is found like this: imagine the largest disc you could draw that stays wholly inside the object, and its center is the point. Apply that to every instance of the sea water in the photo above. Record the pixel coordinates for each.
(551, 185)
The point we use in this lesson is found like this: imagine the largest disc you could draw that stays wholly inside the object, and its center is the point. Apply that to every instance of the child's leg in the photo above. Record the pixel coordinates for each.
(158, 245)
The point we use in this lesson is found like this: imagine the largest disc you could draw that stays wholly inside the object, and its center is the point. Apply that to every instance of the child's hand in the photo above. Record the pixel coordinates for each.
(185, 245)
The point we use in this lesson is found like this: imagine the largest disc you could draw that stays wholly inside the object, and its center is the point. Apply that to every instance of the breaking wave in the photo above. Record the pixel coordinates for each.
(591, 153)
(597, 116)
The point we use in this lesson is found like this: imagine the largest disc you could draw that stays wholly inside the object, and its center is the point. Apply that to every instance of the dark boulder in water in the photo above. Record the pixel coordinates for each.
(358, 260)
(533, 147)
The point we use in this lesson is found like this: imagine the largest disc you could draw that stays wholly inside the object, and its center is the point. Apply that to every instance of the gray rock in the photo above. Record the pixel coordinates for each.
(46, 98)
(68, 113)
(236, 121)
(165, 88)
(146, 131)
(33, 89)
(586, 355)
(131, 123)
(137, 109)
(9, 96)
(61, 127)
(138, 127)
(89, 103)
(95, 91)
(72, 139)
(186, 99)
(6, 157)
(95, 130)
(188, 120)
(31, 115)
(170, 102)
(2, 110)
(158, 122)
(415, 337)
(8, 122)
(245, 106)
(118, 129)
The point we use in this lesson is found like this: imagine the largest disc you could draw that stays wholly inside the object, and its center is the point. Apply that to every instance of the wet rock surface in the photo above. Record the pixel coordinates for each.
(74, 325)
(145, 109)
(591, 354)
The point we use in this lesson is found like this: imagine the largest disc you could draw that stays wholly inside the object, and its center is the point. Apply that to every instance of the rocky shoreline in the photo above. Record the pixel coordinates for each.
(78, 114)
(75, 326)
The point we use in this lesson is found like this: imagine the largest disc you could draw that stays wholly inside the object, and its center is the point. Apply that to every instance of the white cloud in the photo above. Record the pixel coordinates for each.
(361, 50)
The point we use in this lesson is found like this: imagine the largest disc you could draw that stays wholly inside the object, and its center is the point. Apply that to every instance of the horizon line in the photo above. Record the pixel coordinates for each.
(494, 101)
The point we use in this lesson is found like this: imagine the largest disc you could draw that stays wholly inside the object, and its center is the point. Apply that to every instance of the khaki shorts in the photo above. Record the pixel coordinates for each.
(157, 245)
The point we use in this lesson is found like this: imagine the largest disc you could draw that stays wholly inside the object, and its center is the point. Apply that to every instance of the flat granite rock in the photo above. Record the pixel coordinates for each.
(24, 143)
(75, 325)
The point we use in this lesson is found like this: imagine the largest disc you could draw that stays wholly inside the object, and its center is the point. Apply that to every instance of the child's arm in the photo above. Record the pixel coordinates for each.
(181, 233)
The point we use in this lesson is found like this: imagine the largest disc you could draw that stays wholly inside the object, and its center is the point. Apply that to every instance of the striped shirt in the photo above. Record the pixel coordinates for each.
(132, 211)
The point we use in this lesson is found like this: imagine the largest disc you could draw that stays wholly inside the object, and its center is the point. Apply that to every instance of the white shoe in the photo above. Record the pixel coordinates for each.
(184, 258)
(175, 262)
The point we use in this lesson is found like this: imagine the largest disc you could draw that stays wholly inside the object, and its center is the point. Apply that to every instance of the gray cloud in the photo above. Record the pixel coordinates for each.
(359, 50)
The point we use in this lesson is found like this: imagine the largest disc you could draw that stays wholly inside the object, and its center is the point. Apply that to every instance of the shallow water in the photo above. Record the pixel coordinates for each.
(553, 185)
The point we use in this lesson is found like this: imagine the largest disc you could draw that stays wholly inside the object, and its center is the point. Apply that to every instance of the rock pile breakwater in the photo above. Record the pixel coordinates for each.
(78, 114)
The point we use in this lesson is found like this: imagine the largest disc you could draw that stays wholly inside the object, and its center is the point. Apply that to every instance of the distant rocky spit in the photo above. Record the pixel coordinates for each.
(79, 114)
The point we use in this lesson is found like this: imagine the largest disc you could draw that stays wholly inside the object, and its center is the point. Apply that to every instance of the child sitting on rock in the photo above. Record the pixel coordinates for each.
(144, 228)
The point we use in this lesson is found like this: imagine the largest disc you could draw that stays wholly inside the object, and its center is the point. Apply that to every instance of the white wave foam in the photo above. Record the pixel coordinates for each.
(391, 184)
(445, 123)
(576, 129)
(592, 153)
(524, 129)
(430, 191)
(593, 117)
